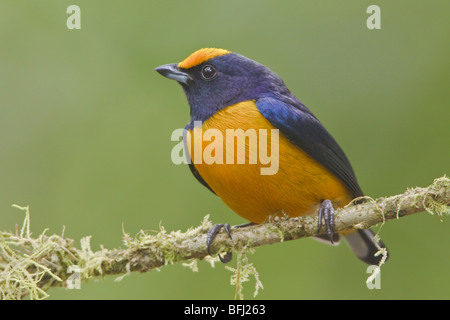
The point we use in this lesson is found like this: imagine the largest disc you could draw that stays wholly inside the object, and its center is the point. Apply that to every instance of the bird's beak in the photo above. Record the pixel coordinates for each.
(172, 71)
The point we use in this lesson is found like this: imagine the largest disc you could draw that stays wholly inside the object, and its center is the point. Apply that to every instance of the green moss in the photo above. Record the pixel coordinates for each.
(242, 273)
(430, 204)
(21, 261)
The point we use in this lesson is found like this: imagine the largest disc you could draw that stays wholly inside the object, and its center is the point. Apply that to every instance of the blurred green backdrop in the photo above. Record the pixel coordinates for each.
(85, 127)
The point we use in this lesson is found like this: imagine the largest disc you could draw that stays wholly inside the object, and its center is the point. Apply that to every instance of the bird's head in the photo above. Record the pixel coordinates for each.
(216, 78)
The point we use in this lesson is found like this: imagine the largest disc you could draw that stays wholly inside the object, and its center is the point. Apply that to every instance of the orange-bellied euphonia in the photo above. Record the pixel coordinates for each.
(227, 91)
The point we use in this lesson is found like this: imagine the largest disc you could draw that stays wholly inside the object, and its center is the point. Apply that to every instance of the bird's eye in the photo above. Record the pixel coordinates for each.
(208, 72)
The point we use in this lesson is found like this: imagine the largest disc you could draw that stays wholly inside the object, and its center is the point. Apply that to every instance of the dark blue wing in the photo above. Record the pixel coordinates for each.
(303, 129)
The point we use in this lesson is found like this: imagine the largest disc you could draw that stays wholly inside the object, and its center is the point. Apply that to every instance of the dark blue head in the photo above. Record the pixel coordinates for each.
(215, 78)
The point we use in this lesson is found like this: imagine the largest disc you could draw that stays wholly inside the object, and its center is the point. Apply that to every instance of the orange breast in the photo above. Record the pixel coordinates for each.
(298, 186)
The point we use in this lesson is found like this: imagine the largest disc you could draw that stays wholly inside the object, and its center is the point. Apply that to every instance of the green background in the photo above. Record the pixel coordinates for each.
(85, 126)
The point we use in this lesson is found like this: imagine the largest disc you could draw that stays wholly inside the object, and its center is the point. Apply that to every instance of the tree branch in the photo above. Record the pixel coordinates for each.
(29, 266)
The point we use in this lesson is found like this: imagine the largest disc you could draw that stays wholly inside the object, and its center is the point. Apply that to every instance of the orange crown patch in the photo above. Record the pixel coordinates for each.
(200, 56)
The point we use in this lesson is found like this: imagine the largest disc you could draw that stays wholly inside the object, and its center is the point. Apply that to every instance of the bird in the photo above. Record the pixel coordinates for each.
(228, 92)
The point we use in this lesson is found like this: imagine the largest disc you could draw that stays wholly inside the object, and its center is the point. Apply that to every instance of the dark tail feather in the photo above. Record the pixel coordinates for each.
(363, 245)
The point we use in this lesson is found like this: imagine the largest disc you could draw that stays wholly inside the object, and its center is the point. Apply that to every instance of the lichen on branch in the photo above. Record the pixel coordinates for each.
(29, 265)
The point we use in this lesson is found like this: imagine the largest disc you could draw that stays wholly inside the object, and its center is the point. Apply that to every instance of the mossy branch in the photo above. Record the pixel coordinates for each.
(29, 266)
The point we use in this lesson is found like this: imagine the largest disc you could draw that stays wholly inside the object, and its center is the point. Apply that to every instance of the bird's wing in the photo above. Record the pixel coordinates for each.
(199, 177)
(300, 126)
(191, 165)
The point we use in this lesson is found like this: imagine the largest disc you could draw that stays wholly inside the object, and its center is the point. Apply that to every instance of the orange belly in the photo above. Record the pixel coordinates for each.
(297, 188)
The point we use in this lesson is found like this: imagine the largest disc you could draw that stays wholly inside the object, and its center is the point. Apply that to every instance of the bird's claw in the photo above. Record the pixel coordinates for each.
(326, 212)
(212, 234)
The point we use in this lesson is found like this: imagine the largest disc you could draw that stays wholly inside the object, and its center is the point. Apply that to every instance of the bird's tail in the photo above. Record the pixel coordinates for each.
(364, 246)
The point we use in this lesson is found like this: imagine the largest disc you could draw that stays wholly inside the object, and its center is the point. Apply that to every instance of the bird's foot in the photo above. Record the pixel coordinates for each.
(213, 233)
(326, 213)
(215, 230)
